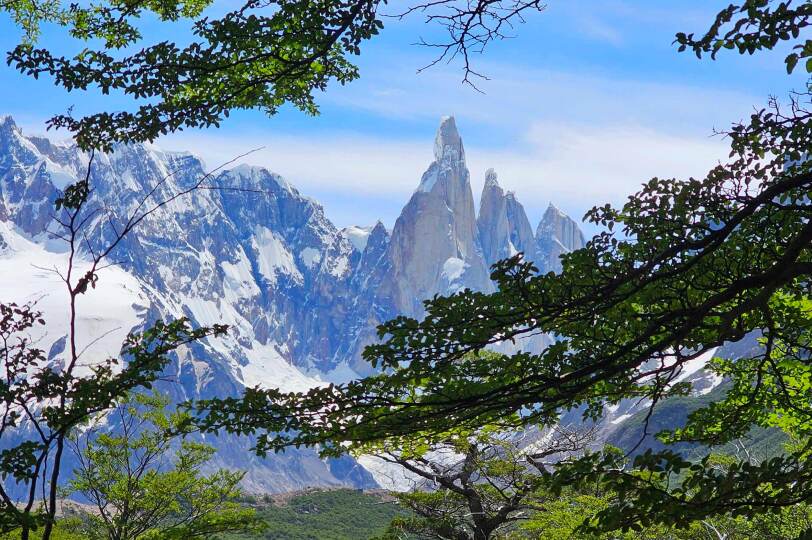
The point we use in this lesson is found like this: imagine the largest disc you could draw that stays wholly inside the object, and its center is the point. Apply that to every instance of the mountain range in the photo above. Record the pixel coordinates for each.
(302, 296)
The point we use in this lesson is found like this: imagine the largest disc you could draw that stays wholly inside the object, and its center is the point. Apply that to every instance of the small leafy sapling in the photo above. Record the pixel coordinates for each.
(146, 480)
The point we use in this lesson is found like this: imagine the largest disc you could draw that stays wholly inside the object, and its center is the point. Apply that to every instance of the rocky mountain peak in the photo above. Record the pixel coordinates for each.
(10, 132)
(492, 199)
(12, 140)
(557, 234)
(504, 229)
(7, 122)
(435, 245)
(491, 178)
(553, 209)
(448, 143)
(378, 230)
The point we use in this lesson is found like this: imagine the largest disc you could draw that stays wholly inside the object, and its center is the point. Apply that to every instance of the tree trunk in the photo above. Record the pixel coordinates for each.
(481, 529)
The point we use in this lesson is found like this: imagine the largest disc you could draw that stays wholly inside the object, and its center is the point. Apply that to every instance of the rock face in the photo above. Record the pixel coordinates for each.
(301, 296)
(556, 234)
(504, 229)
(435, 244)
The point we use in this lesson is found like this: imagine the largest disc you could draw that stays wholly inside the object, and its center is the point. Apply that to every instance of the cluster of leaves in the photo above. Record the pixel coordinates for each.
(563, 519)
(139, 494)
(263, 54)
(755, 25)
(64, 529)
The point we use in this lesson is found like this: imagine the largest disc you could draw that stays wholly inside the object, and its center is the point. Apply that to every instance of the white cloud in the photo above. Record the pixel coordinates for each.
(516, 95)
(577, 167)
(360, 178)
(352, 163)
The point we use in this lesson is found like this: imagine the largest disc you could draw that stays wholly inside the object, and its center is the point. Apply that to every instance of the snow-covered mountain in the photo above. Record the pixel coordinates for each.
(302, 297)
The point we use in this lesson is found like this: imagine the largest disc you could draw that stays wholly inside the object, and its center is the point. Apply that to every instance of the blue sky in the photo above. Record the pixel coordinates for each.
(589, 100)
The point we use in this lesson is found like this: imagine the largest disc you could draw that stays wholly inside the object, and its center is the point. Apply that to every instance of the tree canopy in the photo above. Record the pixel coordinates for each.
(262, 54)
(146, 481)
(683, 267)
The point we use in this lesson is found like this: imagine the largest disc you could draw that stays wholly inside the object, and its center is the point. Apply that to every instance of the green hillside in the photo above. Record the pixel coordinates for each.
(340, 514)
(672, 413)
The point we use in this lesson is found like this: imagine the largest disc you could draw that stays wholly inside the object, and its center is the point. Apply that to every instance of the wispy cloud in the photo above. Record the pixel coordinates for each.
(361, 179)
(577, 167)
(575, 139)
(600, 30)
(516, 94)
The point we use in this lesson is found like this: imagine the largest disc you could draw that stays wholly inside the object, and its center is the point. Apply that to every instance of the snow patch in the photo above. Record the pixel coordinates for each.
(714, 380)
(428, 180)
(311, 257)
(340, 374)
(622, 418)
(692, 366)
(341, 267)
(272, 255)
(453, 268)
(268, 369)
(393, 477)
(389, 476)
(61, 177)
(106, 313)
(239, 281)
(358, 236)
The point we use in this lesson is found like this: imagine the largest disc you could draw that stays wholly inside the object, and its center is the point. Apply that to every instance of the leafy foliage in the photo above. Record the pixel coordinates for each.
(252, 57)
(262, 54)
(139, 494)
(564, 517)
(681, 268)
(49, 401)
(64, 529)
(756, 25)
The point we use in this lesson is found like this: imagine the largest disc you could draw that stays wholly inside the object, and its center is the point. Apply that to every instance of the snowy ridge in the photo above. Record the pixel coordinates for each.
(214, 256)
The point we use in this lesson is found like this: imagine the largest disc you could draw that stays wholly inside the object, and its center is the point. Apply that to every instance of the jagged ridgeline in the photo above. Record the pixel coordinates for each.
(302, 296)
